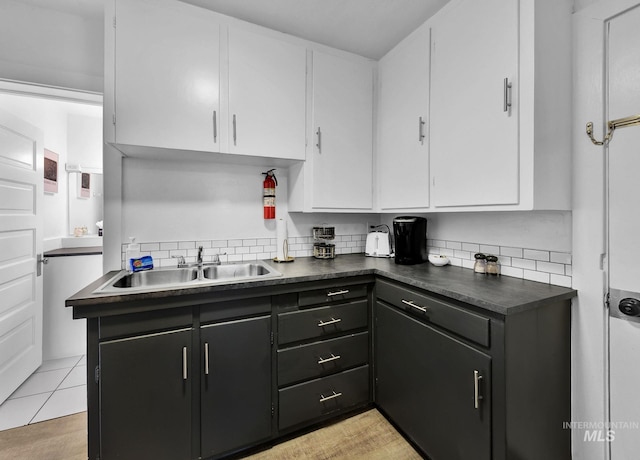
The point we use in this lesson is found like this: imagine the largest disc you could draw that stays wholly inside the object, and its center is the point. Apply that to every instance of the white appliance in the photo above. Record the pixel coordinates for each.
(623, 155)
(379, 243)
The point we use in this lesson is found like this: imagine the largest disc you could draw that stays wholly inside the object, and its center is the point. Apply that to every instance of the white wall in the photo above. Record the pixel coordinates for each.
(193, 200)
(45, 46)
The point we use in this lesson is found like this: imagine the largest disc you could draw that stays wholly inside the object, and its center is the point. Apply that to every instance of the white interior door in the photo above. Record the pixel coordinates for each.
(624, 235)
(21, 192)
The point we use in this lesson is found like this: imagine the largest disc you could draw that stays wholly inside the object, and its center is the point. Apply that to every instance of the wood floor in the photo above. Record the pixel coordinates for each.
(364, 436)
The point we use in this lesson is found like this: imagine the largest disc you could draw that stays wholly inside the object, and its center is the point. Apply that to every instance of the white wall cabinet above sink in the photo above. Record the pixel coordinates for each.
(184, 79)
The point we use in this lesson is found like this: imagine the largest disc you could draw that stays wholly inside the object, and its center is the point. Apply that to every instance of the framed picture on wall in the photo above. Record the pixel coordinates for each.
(50, 171)
(85, 185)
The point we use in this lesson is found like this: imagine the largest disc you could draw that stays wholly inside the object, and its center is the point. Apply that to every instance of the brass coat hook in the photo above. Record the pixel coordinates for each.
(612, 125)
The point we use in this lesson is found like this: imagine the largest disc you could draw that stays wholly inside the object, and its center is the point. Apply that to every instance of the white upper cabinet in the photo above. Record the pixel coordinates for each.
(184, 79)
(267, 84)
(342, 123)
(337, 173)
(167, 76)
(501, 105)
(403, 124)
(474, 140)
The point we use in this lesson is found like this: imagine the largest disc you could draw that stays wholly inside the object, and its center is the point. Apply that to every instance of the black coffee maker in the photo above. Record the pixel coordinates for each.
(411, 239)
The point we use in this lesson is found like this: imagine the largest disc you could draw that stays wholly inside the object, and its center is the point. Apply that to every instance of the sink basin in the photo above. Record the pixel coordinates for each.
(167, 278)
(157, 278)
(220, 272)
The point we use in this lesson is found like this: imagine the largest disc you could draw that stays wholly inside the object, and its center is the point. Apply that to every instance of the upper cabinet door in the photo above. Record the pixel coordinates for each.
(474, 140)
(167, 82)
(267, 84)
(342, 122)
(403, 122)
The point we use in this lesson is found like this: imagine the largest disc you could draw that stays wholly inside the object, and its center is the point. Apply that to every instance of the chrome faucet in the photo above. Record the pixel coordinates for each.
(199, 260)
(181, 262)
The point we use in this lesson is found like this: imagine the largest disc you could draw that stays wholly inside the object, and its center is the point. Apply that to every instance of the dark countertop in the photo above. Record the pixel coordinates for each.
(502, 294)
(65, 252)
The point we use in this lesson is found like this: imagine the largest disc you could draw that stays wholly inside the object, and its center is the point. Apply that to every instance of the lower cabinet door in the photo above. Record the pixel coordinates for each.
(311, 400)
(145, 397)
(434, 387)
(235, 385)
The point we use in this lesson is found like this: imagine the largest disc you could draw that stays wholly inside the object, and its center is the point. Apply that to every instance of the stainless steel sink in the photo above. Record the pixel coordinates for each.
(162, 278)
(156, 278)
(222, 272)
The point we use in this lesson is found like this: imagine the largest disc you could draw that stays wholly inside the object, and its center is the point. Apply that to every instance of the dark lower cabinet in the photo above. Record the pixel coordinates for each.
(436, 388)
(145, 397)
(235, 385)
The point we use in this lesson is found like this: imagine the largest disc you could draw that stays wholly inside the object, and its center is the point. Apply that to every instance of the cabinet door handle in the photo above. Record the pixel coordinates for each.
(342, 291)
(215, 126)
(421, 130)
(234, 129)
(206, 358)
(327, 323)
(476, 389)
(507, 94)
(326, 360)
(184, 363)
(413, 305)
(324, 398)
(319, 144)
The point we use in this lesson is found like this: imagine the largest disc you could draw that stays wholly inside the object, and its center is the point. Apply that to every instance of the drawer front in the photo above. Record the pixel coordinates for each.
(322, 358)
(310, 400)
(321, 322)
(465, 323)
(331, 295)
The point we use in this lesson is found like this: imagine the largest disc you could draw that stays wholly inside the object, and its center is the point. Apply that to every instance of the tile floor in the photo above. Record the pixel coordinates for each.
(55, 389)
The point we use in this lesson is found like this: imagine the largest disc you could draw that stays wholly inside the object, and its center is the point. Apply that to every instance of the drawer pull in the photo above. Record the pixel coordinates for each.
(413, 305)
(343, 291)
(476, 389)
(327, 323)
(324, 398)
(206, 358)
(326, 360)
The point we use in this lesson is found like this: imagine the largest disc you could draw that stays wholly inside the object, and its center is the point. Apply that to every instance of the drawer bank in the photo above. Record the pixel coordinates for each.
(464, 365)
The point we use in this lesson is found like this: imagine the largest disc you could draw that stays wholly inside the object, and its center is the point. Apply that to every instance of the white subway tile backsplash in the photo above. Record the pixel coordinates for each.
(532, 275)
(243, 249)
(249, 242)
(168, 246)
(220, 244)
(536, 255)
(148, 247)
(550, 267)
(454, 245)
(511, 252)
(531, 264)
(235, 243)
(249, 257)
(204, 244)
(523, 263)
(186, 245)
(263, 241)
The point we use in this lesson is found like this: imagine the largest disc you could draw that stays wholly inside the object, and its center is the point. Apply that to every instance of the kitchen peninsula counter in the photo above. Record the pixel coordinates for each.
(500, 295)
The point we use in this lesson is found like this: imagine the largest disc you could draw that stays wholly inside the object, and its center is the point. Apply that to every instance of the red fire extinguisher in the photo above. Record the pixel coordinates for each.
(269, 194)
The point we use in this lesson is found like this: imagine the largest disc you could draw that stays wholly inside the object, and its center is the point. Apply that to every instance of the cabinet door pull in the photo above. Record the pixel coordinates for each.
(184, 363)
(215, 126)
(413, 305)
(326, 360)
(476, 389)
(324, 398)
(206, 358)
(327, 323)
(421, 130)
(234, 129)
(507, 94)
(340, 292)
(319, 144)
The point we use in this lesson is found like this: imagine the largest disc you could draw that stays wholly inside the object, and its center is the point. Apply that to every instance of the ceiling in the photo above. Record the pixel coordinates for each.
(369, 28)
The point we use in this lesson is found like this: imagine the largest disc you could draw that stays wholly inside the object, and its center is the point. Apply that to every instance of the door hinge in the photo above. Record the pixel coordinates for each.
(272, 340)
(607, 300)
(273, 410)
(96, 374)
(114, 118)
